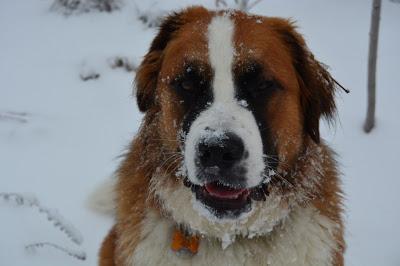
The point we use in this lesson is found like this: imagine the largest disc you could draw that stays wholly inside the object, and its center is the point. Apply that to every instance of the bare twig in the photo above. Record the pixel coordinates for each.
(68, 7)
(77, 254)
(19, 117)
(340, 85)
(373, 51)
(220, 3)
(89, 76)
(250, 6)
(244, 5)
(150, 17)
(122, 62)
(52, 215)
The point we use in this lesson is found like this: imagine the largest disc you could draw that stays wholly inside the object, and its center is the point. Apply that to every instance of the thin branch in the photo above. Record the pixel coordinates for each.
(373, 51)
(77, 254)
(243, 5)
(221, 3)
(52, 215)
(340, 85)
(19, 117)
(250, 6)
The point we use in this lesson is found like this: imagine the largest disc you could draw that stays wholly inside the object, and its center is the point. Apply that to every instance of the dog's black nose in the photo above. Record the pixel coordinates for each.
(222, 151)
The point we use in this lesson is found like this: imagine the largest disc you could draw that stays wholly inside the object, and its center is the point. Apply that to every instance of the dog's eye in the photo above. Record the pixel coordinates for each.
(264, 85)
(186, 85)
(190, 83)
(258, 87)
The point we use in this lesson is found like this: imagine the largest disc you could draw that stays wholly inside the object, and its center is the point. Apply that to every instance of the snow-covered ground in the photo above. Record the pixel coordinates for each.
(60, 136)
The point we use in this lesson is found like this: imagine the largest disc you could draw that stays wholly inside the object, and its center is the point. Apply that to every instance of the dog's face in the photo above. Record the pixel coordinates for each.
(238, 96)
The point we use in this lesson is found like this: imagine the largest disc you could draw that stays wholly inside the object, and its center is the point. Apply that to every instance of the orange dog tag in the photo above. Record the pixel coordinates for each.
(181, 242)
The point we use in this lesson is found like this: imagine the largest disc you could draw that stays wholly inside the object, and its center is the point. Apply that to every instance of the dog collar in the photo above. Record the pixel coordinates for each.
(184, 243)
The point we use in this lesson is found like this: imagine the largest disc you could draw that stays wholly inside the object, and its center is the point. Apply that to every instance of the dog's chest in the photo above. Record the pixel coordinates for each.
(305, 238)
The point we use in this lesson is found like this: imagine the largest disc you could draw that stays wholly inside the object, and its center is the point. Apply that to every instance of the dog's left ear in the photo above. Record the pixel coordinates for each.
(147, 73)
(317, 87)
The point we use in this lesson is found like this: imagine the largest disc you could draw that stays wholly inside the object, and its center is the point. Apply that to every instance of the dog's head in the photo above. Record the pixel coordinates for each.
(237, 97)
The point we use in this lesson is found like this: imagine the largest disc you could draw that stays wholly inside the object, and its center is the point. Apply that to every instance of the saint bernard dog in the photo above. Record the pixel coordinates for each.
(228, 167)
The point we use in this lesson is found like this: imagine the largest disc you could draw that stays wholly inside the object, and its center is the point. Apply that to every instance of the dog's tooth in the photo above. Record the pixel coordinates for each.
(187, 183)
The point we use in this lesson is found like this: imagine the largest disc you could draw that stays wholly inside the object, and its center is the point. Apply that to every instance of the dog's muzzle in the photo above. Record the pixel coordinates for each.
(221, 170)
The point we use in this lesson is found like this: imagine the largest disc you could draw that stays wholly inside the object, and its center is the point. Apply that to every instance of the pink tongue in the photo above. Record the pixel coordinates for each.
(223, 192)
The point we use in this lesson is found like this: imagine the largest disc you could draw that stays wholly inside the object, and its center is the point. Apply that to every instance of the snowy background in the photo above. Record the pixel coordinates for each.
(61, 136)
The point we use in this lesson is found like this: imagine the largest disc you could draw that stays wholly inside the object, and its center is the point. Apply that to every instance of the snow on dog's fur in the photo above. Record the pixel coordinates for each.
(229, 149)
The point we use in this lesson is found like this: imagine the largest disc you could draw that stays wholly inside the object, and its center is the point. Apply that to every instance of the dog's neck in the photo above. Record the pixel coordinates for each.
(304, 238)
(293, 235)
(178, 205)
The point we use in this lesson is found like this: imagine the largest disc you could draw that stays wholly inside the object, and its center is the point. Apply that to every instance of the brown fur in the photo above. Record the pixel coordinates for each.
(308, 95)
(107, 251)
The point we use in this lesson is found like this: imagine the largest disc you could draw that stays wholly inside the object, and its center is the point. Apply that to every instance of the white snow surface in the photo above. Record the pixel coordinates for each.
(60, 136)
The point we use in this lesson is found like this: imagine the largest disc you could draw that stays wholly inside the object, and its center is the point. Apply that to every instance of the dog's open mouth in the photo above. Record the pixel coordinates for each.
(227, 201)
(223, 192)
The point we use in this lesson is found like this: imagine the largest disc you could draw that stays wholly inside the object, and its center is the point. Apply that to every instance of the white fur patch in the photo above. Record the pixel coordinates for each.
(180, 203)
(225, 114)
(221, 51)
(304, 238)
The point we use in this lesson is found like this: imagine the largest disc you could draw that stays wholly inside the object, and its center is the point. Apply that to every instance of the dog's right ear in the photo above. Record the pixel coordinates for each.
(147, 73)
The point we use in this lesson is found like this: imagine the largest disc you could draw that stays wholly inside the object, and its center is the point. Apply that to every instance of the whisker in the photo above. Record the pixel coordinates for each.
(172, 152)
(304, 193)
(167, 170)
(171, 140)
(172, 157)
(275, 159)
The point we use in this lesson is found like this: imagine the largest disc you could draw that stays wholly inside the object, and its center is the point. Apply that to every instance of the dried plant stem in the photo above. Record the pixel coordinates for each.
(52, 215)
(80, 255)
(373, 51)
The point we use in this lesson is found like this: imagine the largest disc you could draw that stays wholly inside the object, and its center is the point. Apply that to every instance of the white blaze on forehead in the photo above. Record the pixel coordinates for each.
(221, 51)
(225, 114)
